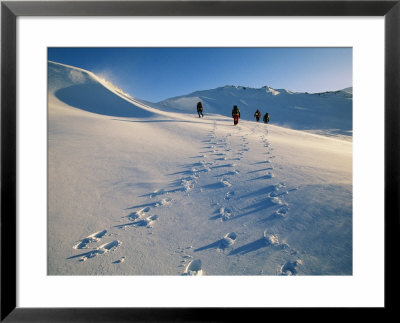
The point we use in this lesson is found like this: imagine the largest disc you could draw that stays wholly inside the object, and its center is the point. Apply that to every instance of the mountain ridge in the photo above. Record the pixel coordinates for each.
(270, 89)
(329, 112)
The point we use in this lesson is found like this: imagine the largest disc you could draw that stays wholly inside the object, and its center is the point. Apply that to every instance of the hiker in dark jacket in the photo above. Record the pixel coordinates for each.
(257, 115)
(235, 114)
(266, 118)
(200, 109)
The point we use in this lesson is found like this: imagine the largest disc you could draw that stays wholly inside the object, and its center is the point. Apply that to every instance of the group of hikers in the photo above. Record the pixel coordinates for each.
(257, 115)
(235, 114)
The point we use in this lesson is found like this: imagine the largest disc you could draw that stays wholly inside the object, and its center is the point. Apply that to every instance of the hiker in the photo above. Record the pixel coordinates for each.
(257, 115)
(266, 118)
(200, 109)
(235, 114)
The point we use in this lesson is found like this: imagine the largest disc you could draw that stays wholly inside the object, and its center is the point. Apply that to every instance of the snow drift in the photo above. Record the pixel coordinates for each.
(84, 90)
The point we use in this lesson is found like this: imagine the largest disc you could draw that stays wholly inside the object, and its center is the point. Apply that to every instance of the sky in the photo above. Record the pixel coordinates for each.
(156, 74)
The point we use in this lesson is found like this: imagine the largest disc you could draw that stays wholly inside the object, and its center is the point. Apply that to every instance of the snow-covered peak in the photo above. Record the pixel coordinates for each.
(345, 93)
(286, 91)
(269, 89)
(348, 90)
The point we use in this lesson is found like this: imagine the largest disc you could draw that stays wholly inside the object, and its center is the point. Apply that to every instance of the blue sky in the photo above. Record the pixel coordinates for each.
(154, 74)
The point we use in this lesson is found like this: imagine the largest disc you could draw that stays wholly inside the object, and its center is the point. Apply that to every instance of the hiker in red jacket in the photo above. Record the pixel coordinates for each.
(235, 114)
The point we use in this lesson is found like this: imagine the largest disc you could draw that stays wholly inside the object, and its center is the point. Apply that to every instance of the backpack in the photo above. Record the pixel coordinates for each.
(199, 106)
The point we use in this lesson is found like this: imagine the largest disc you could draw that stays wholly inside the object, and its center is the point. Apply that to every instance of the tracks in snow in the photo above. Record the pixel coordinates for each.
(221, 170)
(224, 168)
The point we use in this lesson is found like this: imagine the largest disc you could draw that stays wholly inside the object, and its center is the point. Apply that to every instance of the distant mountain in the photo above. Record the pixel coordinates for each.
(328, 111)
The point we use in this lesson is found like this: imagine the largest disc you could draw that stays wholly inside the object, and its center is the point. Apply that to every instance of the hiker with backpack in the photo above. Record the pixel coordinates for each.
(257, 115)
(266, 118)
(200, 109)
(235, 114)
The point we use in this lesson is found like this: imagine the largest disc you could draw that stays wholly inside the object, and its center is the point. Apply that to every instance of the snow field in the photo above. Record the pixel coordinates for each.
(172, 194)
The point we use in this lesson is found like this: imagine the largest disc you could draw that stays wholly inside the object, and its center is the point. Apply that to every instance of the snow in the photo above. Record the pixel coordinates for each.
(330, 112)
(140, 188)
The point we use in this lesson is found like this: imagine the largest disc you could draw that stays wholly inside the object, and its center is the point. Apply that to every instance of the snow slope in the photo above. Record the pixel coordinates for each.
(329, 112)
(133, 190)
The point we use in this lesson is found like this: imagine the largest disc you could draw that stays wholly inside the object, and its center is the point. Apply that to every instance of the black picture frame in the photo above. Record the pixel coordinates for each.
(10, 10)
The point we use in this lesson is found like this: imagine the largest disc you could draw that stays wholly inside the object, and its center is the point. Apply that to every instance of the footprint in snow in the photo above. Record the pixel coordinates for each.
(224, 214)
(139, 218)
(221, 244)
(278, 193)
(187, 185)
(82, 244)
(119, 261)
(103, 249)
(194, 268)
(280, 185)
(228, 240)
(289, 268)
(138, 214)
(164, 202)
(147, 222)
(277, 201)
(273, 240)
(185, 259)
(269, 175)
(225, 183)
(143, 211)
(282, 211)
(229, 195)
